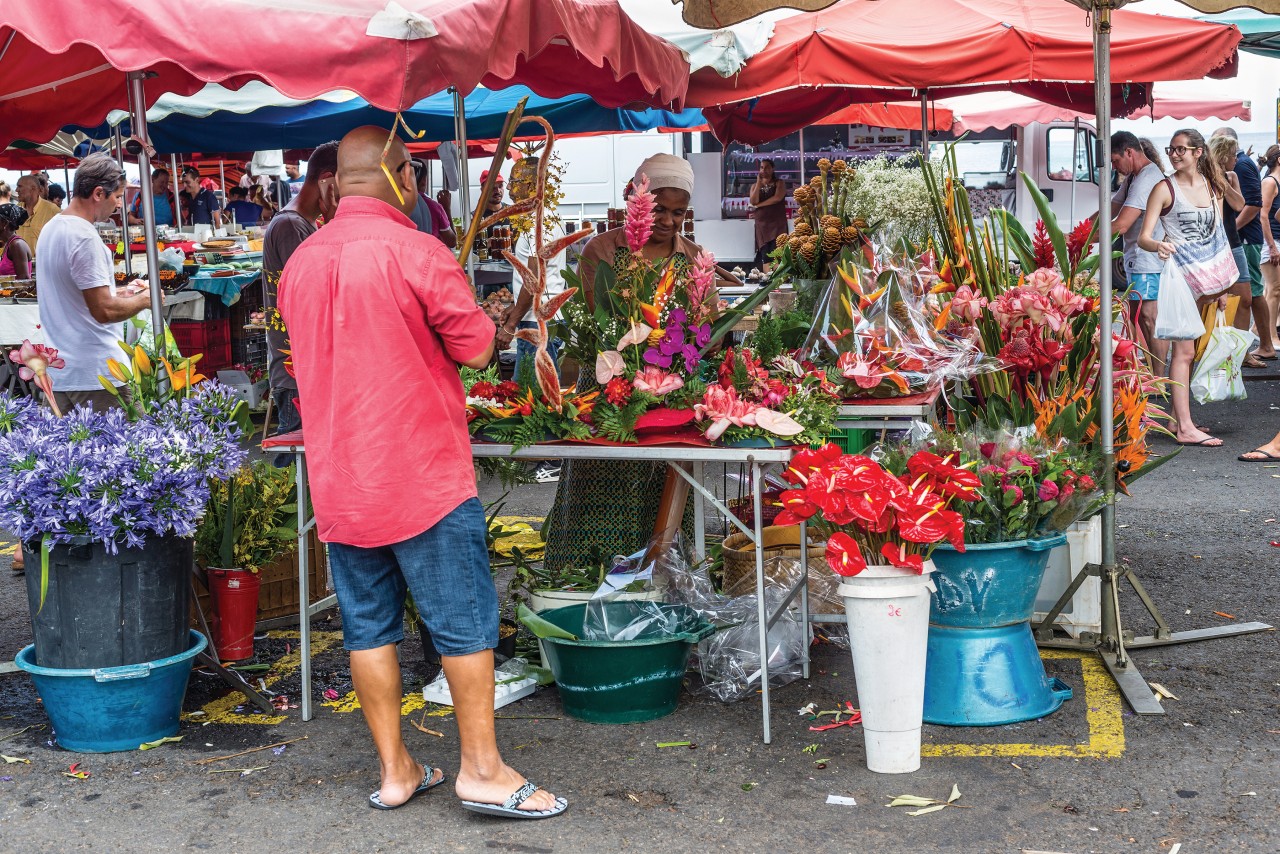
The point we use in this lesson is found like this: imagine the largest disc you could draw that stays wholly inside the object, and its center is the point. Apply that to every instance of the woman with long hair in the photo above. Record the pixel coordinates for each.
(1188, 205)
(1270, 216)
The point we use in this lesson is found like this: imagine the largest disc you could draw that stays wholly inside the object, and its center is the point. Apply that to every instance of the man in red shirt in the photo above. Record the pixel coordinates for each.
(380, 316)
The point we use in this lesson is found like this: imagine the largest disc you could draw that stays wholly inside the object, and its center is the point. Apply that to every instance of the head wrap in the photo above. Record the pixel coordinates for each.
(14, 215)
(667, 171)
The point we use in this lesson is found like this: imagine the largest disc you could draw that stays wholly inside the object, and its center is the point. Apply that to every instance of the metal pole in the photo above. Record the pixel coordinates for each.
(1106, 405)
(924, 123)
(222, 179)
(464, 177)
(802, 178)
(66, 177)
(128, 250)
(175, 186)
(138, 121)
(1075, 150)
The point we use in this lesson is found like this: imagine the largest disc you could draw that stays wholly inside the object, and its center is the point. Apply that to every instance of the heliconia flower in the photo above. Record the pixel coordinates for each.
(639, 218)
(657, 381)
(843, 555)
(652, 313)
(609, 364)
(637, 334)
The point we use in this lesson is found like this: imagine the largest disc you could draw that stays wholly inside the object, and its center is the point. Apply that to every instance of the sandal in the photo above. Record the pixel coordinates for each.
(375, 800)
(510, 808)
(1253, 362)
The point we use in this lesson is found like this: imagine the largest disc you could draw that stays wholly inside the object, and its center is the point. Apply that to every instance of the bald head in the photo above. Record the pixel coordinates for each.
(360, 168)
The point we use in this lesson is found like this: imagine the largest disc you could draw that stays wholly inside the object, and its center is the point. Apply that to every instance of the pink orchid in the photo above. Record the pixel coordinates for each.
(966, 304)
(609, 364)
(639, 220)
(36, 359)
(638, 334)
(657, 381)
(778, 423)
(723, 408)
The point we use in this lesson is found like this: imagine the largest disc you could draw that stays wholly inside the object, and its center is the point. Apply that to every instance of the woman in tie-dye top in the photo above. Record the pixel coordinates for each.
(1188, 205)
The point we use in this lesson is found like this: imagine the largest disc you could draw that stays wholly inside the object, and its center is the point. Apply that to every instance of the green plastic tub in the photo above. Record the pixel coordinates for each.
(621, 682)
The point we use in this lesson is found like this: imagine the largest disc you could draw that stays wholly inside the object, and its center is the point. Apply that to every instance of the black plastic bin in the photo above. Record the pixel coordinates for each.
(105, 610)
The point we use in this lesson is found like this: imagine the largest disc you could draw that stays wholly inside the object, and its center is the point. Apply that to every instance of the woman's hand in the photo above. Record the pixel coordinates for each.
(1271, 251)
(1165, 249)
(1222, 301)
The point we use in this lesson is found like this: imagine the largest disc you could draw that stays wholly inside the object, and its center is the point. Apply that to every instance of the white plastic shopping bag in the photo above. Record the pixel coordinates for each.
(1176, 316)
(1218, 375)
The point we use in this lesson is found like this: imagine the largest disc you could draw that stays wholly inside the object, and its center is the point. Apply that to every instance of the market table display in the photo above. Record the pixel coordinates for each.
(675, 456)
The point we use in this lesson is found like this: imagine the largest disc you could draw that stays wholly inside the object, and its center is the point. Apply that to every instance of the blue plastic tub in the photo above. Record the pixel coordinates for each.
(108, 709)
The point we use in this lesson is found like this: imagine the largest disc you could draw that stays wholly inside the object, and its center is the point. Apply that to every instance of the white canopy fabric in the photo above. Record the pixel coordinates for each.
(982, 112)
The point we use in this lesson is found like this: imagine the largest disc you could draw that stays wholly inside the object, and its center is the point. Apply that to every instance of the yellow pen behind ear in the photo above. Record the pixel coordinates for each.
(386, 149)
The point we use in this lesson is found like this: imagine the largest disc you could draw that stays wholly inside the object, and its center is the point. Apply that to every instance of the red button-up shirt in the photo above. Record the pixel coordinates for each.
(379, 316)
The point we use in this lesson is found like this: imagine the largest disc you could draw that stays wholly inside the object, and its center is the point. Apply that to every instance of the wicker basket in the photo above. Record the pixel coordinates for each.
(740, 566)
(278, 595)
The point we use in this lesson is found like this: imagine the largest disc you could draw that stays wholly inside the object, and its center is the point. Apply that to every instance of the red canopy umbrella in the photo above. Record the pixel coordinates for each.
(1007, 110)
(61, 62)
(862, 50)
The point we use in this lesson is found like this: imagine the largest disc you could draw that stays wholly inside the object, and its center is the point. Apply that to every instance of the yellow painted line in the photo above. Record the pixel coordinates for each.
(410, 703)
(222, 710)
(8, 548)
(1102, 711)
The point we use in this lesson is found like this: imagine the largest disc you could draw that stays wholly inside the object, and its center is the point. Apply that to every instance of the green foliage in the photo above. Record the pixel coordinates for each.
(251, 519)
(618, 424)
(767, 339)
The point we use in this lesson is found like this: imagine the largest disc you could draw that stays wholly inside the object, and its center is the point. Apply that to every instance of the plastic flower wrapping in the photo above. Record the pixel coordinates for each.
(875, 331)
(872, 513)
(116, 481)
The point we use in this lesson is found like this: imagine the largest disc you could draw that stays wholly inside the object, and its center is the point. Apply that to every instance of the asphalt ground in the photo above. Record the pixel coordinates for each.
(1090, 778)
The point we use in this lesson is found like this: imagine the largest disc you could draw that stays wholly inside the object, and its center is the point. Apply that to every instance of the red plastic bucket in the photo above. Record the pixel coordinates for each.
(235, 597)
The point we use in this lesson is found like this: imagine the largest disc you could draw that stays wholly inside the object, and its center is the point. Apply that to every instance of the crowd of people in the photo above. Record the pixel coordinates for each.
(1215, 212)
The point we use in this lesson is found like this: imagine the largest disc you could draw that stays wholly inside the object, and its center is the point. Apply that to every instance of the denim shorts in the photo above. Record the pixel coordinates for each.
(1242, 264)
(1145, 286)
(446, 568)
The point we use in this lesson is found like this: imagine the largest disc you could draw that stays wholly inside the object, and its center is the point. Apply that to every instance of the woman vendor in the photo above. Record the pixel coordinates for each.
(769, 210)
(609, 507)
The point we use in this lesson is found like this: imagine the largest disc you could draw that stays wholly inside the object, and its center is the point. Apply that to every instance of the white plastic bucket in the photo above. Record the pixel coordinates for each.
(887, 609)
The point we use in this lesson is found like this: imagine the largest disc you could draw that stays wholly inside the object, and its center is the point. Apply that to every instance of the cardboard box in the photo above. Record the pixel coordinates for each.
(254, 394)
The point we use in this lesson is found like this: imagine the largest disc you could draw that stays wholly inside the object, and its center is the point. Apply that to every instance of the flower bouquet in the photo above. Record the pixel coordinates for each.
(872, 514)
(748, 403)
(1030, 487)
(521, 414)
(874, 334)
(1040, 320)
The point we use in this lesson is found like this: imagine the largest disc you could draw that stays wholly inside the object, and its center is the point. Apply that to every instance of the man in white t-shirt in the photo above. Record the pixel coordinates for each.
(80, 307)
(1128, 206)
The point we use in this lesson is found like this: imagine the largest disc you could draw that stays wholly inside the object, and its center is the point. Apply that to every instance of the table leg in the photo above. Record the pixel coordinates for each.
(699, 515)
(304, 586)
(804, 599)
(761, 608)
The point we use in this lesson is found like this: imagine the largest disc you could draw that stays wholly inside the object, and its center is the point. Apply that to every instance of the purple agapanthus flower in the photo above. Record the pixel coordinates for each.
(98, 475)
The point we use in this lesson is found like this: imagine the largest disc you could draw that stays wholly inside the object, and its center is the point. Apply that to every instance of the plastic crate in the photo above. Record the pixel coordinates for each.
(209, 337)
(852, 440)
(249, 347)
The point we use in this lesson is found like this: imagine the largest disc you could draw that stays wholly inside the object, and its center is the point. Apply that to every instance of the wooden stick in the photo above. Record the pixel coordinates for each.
(508, 133)
(250, 750)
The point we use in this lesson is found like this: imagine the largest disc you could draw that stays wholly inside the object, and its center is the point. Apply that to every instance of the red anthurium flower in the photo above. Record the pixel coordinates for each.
(796, 502)
(897, 556)
(869, 506)
(843, 555)
(858, 473)
(922, 523)
(807, 461)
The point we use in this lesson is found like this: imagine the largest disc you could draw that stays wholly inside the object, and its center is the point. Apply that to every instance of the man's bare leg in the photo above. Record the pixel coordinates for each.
(1157, 348)
(482, 776)
(376, 676)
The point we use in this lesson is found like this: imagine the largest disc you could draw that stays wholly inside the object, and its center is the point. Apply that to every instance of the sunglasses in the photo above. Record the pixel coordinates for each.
(1180, 149)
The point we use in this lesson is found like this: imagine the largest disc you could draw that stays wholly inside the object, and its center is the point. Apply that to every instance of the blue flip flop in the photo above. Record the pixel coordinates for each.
(510, 808)
(375, 800)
